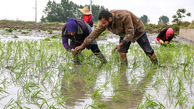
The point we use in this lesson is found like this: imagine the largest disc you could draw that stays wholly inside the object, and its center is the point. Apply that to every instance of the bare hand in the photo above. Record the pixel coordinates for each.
(79, 48)
(118, 46)
(74, 52)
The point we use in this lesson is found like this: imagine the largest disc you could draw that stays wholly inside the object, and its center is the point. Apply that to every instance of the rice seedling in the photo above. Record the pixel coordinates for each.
(24, 32)
(44, 76)
(150, 102)
(15, 36)
(50, 31)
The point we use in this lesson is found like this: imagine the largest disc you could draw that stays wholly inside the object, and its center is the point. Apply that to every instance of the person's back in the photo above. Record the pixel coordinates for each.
(124, 22)
(88, 19)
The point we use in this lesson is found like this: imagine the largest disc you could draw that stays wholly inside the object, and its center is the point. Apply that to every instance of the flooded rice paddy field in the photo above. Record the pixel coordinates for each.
(36, 72)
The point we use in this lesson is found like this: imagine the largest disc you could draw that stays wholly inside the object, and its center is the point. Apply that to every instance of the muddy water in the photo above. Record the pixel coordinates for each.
(118, 87)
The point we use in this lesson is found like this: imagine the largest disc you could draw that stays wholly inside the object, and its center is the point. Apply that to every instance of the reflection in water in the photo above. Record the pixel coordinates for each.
(76, 86)
(127, 95)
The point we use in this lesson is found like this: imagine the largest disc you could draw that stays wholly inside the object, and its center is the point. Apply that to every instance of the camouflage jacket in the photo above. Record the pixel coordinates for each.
(125, 24)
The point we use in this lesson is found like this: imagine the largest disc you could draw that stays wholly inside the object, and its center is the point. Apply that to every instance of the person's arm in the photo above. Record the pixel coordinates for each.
(65, 43)
(93, 35)
(160, 35)
(91, 21)
(64, 39)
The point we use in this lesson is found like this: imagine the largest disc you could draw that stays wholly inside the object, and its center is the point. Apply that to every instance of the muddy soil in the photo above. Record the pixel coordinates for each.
(30, 25)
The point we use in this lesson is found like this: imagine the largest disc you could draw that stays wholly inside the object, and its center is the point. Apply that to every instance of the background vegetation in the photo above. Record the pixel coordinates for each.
(60, 12)
(56, 15)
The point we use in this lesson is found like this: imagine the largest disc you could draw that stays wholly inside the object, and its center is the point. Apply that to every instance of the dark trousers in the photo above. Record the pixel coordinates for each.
(143, 43)
(94, 47)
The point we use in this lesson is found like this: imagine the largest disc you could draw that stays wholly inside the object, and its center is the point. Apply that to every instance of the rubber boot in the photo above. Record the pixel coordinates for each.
(76, 59)
(101, 57)
(153, 58)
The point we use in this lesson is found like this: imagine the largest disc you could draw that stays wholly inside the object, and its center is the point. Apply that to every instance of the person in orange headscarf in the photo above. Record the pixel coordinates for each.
(87, 16)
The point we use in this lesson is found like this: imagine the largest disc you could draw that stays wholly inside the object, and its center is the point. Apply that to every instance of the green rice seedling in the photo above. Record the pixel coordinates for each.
(19, 30)
(44, 29)
(97, 105)
(4, 81)
(10, 30)
(115, 57)
(27, 86)
(37, 99)
(97, 94)
(18, 102)
(47, 39)
(11, 104)
(117, 86)
(24, 32)
(18, 105)
(15, 36)
(2, 91)
(181, 101)
(191, 79)
(36, 94)
(55, 36)
(180, 88)
(50, 31)
(159, 82)
(60, 101)
(90, 80)
(150, 103)
(170, 84)
(19, 49)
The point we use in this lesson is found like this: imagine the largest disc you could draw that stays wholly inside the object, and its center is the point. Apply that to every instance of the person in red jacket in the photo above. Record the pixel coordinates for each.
(87, 16)
(165, 36)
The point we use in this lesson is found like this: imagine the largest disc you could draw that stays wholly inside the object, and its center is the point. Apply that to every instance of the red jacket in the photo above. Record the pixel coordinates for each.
(88, 19)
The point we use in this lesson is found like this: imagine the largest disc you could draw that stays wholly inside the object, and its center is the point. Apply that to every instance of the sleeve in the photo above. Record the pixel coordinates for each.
(158, 39)
(162, 34)
(129, 29)
(65, 43)
(93, 35)
(65, 40)
(91, 21)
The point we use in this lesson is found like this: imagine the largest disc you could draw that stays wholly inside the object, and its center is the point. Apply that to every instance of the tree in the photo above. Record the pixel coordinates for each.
(60, 12)
(96, 10)
(180, 14)
(144, 19)
(163, 20)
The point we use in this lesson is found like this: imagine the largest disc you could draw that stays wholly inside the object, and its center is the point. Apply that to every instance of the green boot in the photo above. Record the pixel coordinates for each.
(101, 57)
